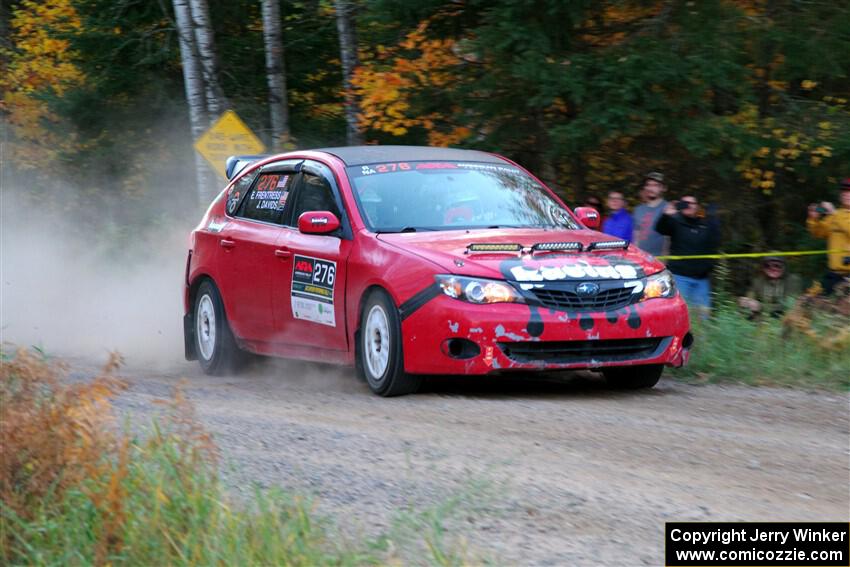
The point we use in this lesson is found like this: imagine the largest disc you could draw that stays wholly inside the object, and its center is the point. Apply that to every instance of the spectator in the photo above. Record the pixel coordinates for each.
(593, 201)
(690, 235)
(646, 215)
(770, 289)
(618, 222)
(825, 222)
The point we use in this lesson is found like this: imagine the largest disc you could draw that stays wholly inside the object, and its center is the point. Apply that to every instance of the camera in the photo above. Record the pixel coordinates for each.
(682, 205)
(820, 209)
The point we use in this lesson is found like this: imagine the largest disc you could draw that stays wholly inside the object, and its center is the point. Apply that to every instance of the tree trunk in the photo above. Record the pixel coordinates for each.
(276, 74)
(194, 85)
(348, 54)
(202, 25)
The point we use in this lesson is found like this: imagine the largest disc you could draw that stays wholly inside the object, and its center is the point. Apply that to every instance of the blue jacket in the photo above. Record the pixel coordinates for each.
(619, 224)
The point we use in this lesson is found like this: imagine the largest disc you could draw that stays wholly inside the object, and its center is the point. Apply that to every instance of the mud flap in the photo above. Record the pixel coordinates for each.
(189, 337)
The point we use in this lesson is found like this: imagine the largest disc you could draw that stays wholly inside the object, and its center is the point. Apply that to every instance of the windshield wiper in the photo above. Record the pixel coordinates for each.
(406, 229)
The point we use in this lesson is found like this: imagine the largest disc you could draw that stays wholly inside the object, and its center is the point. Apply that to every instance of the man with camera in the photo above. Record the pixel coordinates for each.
(691, 235)
(834, 225)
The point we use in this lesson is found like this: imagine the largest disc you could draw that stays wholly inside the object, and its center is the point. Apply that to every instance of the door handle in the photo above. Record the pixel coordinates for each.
(227, 243)
(282, 253)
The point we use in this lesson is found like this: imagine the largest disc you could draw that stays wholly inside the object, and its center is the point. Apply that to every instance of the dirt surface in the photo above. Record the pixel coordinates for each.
(558, 471)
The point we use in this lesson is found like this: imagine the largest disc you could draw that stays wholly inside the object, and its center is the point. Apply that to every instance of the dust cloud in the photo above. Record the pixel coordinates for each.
(84, 290)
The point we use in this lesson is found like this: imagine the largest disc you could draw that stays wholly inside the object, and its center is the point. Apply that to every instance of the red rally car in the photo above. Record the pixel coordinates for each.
(407, 261)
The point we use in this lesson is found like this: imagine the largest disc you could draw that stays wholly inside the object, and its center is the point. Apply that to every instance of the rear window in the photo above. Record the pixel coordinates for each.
(267, 198)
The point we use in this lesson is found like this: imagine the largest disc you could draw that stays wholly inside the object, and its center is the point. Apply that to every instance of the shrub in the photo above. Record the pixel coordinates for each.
(728, 346)
(77, 489)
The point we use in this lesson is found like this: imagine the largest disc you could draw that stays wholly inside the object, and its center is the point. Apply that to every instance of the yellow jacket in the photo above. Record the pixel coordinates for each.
(836, 229)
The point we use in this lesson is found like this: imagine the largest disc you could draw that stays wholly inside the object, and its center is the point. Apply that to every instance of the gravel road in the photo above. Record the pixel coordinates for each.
(557, 471)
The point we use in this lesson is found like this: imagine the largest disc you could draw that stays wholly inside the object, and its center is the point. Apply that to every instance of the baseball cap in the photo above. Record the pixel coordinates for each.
(655, 176)
(845, 184)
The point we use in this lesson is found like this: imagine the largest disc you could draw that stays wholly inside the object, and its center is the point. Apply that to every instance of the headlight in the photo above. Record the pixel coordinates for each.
(475, 290)
(661, 284)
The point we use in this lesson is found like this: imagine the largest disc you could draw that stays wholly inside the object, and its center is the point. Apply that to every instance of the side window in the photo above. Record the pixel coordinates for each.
(267, 199)
(238, 190)
(314, 194)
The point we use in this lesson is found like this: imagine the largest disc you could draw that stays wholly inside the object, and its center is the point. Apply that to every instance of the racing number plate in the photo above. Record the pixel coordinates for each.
(312, 290)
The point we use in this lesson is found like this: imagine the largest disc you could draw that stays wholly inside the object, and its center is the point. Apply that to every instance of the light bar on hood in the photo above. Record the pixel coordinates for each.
(548, 246)
(486, 247)
(608, 245)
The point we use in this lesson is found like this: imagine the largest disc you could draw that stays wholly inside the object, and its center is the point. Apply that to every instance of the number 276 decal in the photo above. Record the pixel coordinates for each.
(324, 273)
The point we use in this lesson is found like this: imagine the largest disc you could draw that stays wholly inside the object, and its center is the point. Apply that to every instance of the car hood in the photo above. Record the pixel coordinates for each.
(450, 251)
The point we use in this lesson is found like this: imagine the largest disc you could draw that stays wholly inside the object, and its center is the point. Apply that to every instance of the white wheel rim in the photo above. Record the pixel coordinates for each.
(205, 326)
(376, 342)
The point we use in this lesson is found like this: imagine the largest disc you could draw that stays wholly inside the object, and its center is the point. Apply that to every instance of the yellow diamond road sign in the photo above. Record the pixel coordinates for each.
(227, 137)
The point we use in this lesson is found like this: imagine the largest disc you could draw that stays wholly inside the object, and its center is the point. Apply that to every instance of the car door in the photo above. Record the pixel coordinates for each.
(248, 254)
(309, 299)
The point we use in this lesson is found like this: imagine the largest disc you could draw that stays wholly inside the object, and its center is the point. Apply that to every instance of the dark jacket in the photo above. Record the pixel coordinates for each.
(690, 237)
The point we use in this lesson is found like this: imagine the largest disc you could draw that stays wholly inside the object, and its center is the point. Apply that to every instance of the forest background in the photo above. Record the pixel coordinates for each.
(745, 103)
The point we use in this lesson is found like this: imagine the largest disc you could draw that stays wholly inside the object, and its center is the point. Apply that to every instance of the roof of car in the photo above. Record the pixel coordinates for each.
(362, 155)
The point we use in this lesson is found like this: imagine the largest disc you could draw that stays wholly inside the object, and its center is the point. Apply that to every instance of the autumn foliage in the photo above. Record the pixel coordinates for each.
(64, 454)
(393, 76)
(77, 488)
(42, 65)
(58, 437)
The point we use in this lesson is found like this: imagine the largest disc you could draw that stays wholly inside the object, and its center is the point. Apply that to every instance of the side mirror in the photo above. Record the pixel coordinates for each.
(589, 217)
(317, 222)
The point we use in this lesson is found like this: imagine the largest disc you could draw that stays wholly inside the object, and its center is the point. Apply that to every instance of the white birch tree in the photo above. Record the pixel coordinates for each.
(276, 74)
(348, 54)
(204, 39)
(195, 92)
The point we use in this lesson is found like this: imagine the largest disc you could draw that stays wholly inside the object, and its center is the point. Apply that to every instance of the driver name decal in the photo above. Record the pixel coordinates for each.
(312, 293)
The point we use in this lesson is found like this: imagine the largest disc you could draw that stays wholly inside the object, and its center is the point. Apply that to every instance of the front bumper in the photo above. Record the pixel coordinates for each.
(448, 336)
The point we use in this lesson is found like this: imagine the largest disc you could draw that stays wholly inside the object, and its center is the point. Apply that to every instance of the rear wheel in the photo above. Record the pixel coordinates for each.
(380, 360)
(633, 377)
(215, 345)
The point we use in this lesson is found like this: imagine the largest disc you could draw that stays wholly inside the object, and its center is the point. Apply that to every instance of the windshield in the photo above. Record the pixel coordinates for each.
(411, 196)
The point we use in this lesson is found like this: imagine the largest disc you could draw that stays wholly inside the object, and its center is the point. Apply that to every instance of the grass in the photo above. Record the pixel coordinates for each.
(77, 489)
(728, 347)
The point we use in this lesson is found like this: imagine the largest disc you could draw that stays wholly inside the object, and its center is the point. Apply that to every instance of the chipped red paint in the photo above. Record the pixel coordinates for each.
(254, 279)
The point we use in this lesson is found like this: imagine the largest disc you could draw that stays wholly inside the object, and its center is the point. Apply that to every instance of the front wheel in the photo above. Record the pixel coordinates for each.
(633, 377)
(380, 360)
(217, 350)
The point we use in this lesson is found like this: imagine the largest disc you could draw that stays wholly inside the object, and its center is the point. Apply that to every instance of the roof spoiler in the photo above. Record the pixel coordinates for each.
(235, 164)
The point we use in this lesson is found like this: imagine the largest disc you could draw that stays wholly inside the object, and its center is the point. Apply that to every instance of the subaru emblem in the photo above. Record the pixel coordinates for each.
(587, 289)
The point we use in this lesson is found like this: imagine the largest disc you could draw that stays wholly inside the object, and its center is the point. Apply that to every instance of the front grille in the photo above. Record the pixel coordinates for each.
(563, 352)
(564, 300)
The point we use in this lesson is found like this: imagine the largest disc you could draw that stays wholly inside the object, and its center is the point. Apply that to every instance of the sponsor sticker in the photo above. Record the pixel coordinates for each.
(312, 292)
(577, 269)
(233, 201)
(216, 224)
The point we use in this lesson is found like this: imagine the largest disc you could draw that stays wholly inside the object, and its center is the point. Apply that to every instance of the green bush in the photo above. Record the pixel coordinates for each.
(728, 346)
(76, 489)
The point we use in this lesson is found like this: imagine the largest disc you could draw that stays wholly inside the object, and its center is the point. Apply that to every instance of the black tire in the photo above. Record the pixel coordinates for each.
(217, 351)
(393, 380)
(633, 377)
